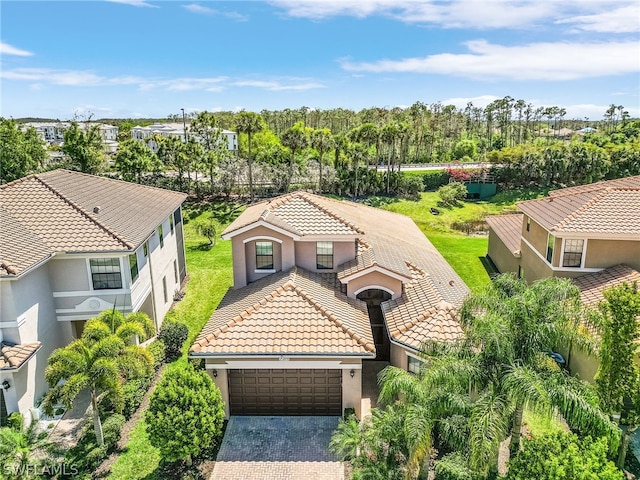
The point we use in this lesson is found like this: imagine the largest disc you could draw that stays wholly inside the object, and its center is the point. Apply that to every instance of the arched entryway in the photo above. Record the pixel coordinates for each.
(374, 297)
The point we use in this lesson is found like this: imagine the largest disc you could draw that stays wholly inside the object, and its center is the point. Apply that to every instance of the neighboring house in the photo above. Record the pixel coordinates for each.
(321, 286)
(53, 132)
(71, 246)
(148, 133)
(590, 233)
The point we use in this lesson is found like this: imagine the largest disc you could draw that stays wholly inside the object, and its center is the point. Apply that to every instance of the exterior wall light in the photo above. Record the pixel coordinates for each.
(215, 374)
(352, 373)
(6, 385)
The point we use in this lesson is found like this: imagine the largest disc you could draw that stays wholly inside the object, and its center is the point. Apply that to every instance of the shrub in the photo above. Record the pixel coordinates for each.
(434, 180)
(185, 414)
(563, 456)
(451, 194)
(15, 421)
(157, 351)
(173, 334)
(134, 391)
(111, 429)
(94, 457)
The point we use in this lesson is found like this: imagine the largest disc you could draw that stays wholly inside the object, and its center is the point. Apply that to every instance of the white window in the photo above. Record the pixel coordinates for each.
(324, 255)
(105, 273)
(572, 255)
(414, 364)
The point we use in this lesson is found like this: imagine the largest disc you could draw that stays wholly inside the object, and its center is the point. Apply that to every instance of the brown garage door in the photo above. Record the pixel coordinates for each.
(285, 392)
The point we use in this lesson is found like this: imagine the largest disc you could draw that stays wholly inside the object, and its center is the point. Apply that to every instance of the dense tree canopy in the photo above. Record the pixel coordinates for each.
(21, 151)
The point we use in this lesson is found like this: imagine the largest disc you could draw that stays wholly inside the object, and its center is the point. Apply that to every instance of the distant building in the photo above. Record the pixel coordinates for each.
(148, 133)
(53, 132)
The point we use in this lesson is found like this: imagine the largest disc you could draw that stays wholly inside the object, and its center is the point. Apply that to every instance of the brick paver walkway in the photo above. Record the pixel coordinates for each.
(278, 448)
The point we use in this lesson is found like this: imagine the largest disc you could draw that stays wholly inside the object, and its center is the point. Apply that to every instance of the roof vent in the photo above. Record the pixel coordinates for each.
(96, 209)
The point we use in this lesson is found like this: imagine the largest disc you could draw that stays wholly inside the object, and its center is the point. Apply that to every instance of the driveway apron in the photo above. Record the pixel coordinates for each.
(282, 448)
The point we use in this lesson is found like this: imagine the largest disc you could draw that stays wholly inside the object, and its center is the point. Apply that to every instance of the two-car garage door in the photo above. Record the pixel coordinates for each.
(285, 392)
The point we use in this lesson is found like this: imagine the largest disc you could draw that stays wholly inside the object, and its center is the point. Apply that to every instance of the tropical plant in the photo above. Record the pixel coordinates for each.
(207, 227)
(249, 123)
(563, 456)
(112, 322)
(172, 152)
(22, 452)
(322, 141)
(452, 194)
(185, 414)
(500, 368)
(84, 148)
(296, 139)
(81, 365)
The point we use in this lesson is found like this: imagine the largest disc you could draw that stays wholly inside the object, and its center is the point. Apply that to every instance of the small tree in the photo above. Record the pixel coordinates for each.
(185, 414)
(207, 227)
(22, 451)
(173, 335)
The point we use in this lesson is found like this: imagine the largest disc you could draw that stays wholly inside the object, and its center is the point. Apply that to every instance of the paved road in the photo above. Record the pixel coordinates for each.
(278, 448)
(438, 166)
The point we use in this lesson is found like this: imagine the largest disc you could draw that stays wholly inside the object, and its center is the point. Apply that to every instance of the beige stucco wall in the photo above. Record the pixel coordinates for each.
(536, 236)
(535, 267)
(500, 254)
(399, 356)
(306, 255)
(607, 253)
(352, 390)
(244, 254)
(374, 279)
(223, 385)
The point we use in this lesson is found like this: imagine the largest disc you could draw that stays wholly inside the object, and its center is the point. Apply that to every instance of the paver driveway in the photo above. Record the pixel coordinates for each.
(278, 448)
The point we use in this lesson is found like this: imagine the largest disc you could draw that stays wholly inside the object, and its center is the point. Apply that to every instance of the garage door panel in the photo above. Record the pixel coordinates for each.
(285, 392)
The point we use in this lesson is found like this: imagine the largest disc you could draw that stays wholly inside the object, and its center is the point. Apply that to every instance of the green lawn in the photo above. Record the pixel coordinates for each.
(210, 275)
(466, 254)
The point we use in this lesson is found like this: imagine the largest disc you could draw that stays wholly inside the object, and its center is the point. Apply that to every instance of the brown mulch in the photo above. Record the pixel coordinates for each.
(105, 467)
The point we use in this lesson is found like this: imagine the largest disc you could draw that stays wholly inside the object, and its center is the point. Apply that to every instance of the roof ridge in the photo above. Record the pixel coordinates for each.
(305, 196)
(577, 212)
(83, 213)
(332, 318)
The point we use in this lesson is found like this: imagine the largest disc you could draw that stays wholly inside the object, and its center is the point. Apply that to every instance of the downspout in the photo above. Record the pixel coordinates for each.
(153, 292)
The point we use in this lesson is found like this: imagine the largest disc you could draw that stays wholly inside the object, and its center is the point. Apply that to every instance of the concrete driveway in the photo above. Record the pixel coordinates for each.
(282, 448)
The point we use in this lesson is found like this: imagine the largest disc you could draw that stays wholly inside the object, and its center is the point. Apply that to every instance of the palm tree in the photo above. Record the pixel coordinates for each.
(501, 367)
(249, 123)
(112, 322)
(296, 139)
(321, 140)
(85, 365)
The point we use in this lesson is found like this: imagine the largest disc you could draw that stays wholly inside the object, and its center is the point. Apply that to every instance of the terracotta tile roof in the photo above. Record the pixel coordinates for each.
(299, 213)
(420, 314)
(57, 209)
(508, 228)
(592, 285)
(13, 356)
(293, 313)
(609, 208)
(19, 248)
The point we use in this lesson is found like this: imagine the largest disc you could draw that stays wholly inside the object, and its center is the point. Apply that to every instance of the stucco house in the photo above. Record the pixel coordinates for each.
(71, 246)
(589, 233)
(146, 134)
(320, 287)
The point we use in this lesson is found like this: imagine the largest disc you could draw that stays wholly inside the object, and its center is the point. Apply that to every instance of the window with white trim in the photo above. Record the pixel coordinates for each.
(414, 364)
(324, 255)
(133, 265)
(551, 241)
(572, 255)
(264, 255)
(160, 236)
(105, 273)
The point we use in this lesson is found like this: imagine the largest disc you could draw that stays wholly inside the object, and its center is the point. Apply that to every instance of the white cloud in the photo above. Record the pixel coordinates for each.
(278, 86)
(135, 3)
(6, 49)
(595, 15)
(625, 19)
(535, 61)
(195, 8)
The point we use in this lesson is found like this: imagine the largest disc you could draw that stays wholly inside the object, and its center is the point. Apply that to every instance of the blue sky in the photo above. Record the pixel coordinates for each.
(147, 58)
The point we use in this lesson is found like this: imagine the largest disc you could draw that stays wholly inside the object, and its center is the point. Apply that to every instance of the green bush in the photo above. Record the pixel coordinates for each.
(434, 180)
(185, 414)
(134, 391)
(111, 429)
(454, 467)
(157, 350)
(173, 334)
(15, 421)
(563, 456)
(452, 193)
(93, 458)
